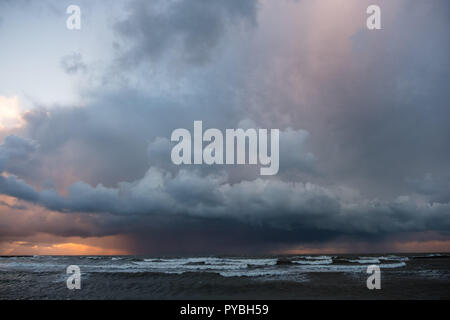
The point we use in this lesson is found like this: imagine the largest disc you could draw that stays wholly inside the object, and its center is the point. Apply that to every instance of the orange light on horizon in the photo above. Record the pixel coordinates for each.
(426, 246)
(62, 249)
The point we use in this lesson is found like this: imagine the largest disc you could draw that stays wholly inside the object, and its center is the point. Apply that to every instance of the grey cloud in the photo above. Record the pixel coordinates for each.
(18, 188)
(15, 152)
(15, 149)
(115, 125)
(294, 153)
(375, 103)
(436, 188)
(159, 151)
(192, 29)
(274, 203)
(14, 206)
(73, 63)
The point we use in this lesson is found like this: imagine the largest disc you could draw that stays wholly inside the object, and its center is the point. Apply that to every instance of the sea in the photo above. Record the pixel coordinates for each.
(331, 276)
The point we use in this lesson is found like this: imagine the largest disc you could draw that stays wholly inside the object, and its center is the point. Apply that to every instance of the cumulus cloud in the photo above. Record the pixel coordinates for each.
(283, 205)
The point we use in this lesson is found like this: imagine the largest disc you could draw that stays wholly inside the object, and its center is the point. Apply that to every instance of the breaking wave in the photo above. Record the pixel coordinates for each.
(267, 268)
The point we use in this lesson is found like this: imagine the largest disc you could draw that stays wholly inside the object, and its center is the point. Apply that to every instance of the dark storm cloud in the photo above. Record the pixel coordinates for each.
(294, 155)
(275, 204)
(192, 28)
(115, 126)
(18, 188)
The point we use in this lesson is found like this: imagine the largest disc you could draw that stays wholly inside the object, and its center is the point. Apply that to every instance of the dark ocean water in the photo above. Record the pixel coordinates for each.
(412, 276)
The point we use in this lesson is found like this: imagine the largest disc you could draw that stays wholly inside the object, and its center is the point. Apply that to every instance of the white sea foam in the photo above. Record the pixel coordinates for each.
(313, 262)
(254, 273)
(227, 267)
(317, 257)
(345, 268)
(394, 258)
(208, 263)
(365, 260)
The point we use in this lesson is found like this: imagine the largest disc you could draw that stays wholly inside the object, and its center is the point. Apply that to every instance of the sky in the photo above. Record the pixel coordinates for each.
(86, 118)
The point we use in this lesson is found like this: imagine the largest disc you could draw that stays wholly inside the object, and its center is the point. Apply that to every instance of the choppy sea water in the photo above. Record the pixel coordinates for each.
(420, 276)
